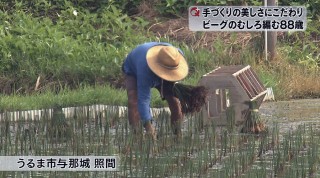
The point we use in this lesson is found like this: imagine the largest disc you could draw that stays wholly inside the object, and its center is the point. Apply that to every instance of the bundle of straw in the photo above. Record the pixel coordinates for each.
(192, 98)
(253, 123)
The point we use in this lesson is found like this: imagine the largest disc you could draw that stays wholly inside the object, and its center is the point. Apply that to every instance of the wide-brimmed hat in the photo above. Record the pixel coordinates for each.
(167, 63)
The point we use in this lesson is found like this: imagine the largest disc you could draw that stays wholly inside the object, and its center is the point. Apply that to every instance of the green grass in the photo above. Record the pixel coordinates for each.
(80, 97)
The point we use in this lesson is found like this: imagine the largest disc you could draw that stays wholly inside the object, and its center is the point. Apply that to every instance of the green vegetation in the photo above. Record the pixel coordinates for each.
(66, 98)
(75, 50)
(71, 48)
(203, 151)
(59, 53)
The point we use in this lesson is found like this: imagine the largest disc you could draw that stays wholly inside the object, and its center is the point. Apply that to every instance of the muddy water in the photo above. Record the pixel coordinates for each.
(286, 116)
(290, 114)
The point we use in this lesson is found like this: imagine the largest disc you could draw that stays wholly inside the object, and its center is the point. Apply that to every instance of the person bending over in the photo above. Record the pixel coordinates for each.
(153, 65)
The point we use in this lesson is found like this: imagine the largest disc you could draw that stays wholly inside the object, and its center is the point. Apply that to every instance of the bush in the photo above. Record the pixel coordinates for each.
(69, 48)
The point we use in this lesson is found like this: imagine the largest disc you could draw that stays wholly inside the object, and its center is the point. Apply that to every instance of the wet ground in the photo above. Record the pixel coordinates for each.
(290, 114)
(295, 110)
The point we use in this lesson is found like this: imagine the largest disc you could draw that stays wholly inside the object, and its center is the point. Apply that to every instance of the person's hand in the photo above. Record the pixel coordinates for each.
(150, 130)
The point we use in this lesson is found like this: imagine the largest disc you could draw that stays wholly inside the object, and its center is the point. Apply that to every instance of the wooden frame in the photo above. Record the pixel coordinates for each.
(242, 85)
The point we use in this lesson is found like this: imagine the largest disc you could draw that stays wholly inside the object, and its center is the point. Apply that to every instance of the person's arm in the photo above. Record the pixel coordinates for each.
(174, 106)
(173, 102)
(176, 114)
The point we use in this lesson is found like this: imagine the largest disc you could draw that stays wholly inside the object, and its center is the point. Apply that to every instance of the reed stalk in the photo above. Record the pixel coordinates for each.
(192, 157)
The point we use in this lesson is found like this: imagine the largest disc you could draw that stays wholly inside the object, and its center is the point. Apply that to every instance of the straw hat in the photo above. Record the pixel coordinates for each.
(167, 63)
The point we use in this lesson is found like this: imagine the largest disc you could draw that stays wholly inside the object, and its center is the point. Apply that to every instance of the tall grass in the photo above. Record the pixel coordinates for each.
(65, 50)
(85, 95)
(204, 150)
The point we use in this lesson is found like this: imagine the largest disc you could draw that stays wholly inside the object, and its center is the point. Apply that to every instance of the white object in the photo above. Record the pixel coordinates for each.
(269, 96)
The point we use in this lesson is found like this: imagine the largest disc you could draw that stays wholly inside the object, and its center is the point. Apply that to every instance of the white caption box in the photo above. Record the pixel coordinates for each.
(59, 163)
